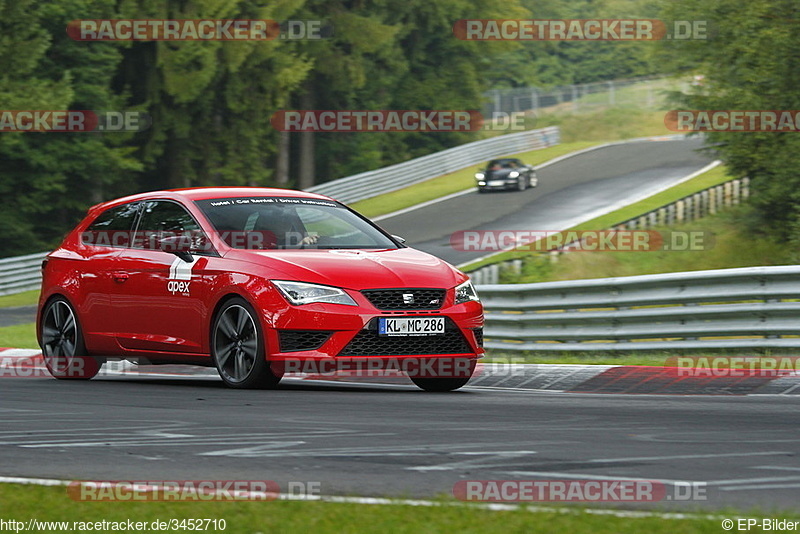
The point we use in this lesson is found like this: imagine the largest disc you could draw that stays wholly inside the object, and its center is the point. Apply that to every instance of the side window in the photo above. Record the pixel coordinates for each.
(112, 228)
(161, 218)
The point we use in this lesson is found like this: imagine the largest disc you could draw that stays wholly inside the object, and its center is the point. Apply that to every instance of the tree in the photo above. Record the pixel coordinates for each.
(50, 179)
(750, 63)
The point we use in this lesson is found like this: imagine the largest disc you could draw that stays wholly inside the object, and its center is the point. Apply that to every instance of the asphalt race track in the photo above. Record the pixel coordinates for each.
(568, 191)
(373, 440)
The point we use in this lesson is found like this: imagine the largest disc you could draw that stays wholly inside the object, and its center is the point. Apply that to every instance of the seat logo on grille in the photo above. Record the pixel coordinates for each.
(408, 298)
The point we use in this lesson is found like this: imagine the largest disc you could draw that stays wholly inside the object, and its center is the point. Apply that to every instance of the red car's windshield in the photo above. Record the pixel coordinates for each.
(291, 222)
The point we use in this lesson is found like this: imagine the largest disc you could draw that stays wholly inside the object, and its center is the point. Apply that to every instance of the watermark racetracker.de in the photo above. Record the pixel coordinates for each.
(580, 30)
(72, 121)
(390, 120)
(733, 120)
(576, 490)
(582, 240)
(198, 30)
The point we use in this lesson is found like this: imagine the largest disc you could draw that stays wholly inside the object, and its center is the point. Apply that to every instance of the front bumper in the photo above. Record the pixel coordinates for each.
(320, 337)
(499, 183)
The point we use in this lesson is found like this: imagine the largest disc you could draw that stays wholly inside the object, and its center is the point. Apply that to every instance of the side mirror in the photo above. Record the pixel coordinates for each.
(401, 240)
(180, 245)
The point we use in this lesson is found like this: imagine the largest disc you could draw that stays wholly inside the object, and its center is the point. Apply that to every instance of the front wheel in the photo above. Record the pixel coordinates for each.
(458, 378)
(522, 183)
(237, 348)
(439, 385)
(63, 349)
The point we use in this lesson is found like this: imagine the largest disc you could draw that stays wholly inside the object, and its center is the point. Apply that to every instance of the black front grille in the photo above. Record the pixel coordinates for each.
(398, 299)
(479, 336)
(369, 343)
(297, 340)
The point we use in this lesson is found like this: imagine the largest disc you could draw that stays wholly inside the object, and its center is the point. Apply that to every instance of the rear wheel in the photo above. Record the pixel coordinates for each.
(237, 347)
(63, 349)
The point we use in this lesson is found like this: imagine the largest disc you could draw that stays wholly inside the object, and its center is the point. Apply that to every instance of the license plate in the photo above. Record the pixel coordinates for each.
(410, 326)
(497, 182)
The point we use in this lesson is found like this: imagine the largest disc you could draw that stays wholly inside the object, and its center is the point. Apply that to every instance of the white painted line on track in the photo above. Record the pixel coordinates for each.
(776, 468)
(584, 476)
(762, 487)
(423, 204)
(19, 353)
(690, 456)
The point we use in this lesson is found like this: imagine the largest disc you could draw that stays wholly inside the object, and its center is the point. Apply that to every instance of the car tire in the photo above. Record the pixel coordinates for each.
(481, 190)
(522, 183)
(442, 385)
(534, 180)
(238, 347)
(63, 348)
(439, 385)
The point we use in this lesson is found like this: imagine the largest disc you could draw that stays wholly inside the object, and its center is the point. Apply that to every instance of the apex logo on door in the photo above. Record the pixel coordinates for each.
(180, 276)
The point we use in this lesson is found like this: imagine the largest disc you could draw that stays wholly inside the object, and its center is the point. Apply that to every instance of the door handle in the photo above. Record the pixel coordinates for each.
(119, 276)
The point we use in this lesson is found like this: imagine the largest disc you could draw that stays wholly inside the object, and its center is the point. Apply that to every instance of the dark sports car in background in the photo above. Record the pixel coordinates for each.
(256, 282)
(506, 173)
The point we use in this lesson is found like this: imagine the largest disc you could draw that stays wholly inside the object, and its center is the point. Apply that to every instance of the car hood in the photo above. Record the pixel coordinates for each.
(357, 269)
(500, 173)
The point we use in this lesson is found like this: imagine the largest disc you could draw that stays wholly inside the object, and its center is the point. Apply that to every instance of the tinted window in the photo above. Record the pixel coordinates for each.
(297, 223)
(500, 164)
(113, 227)
(161, 218)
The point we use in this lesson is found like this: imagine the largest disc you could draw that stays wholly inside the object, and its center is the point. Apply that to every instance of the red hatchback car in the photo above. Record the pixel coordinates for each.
(256, 282)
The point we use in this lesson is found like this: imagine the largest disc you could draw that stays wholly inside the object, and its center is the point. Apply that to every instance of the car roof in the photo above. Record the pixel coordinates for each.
(206, 193)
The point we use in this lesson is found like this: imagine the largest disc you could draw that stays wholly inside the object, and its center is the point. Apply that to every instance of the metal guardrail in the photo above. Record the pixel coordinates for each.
(21, 273)
(749, 307)
(373, 183)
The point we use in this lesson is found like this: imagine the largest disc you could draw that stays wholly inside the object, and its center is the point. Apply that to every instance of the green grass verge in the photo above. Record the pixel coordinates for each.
(728, 244)
(698, 183)
(646, 93)
(26, 298)
(21, 336)
(21, 503)
(452, 183)
(610, 124)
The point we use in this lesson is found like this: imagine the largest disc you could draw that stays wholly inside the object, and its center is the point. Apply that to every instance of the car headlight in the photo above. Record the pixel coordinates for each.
(513, 174)
(299, 293)
(466, 292)
(479, 176)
